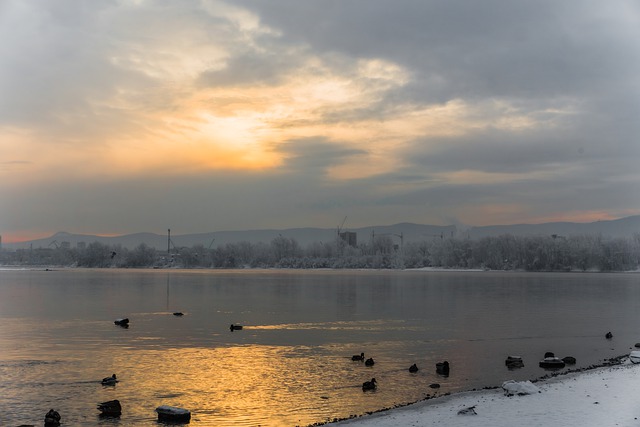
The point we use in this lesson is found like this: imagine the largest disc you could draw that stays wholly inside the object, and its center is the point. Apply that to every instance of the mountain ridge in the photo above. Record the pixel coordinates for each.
(400, 233)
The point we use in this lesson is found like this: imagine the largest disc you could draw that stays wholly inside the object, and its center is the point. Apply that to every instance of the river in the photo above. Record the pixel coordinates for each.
(291, 363)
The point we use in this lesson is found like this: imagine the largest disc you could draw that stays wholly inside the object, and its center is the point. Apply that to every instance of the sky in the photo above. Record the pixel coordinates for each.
(131, 116)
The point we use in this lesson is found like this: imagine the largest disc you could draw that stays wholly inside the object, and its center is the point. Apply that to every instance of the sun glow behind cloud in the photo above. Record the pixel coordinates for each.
(337, 101)
(161, 117)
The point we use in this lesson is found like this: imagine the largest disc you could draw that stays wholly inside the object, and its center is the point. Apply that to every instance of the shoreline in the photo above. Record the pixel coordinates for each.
(450, 403)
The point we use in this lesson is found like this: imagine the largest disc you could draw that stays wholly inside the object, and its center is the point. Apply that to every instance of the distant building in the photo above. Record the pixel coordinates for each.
(81, 245)
(65, 245)
(350, 238)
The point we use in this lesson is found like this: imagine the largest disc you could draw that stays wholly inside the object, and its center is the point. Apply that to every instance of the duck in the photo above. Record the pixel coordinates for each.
(235, 327)
(442, 368)
(369, 362)
(413, 368)
(110, 380)
(369, 385)
(122, 322)
(358, 357)
(609, 335)
(52, 418)
(178, 313)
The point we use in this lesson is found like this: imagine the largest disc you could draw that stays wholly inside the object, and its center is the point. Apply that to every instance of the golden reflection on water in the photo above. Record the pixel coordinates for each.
(246, 385)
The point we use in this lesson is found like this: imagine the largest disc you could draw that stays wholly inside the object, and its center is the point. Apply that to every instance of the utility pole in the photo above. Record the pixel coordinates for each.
(169, 241)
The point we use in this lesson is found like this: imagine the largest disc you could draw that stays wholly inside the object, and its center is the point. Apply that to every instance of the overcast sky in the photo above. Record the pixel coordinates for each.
(128, 116)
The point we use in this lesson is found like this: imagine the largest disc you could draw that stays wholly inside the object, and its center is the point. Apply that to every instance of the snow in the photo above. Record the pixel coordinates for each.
(605, 396)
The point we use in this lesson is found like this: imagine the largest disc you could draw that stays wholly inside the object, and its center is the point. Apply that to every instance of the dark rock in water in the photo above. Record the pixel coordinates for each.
(178, 313)
(552, 363)
(413, 368)
(235, 327)
(609, 335)
(52, 419)
(549, 354)
(173, 414)
(442, 368)
(637, 345)
(434, 385)
(514, 362)
(111, 408)
(569, 360)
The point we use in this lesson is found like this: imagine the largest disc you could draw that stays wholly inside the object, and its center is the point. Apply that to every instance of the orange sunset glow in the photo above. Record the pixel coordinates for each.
(137, 104)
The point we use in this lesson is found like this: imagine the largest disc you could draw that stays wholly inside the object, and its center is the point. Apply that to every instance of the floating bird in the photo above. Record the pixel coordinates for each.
(178, 313)
(122, 322)
(358, 358)
(369, 362)
(413, 368)
(110, 380)
(52, 418)
(442, 368)
(369, 385)
(609, 335)
(235, 327)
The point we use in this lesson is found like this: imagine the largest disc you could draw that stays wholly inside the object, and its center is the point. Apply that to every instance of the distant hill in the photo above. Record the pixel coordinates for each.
(405, 232)
(614, 228)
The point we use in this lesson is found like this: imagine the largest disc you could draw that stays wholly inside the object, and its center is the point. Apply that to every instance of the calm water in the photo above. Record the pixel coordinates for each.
(291, 363)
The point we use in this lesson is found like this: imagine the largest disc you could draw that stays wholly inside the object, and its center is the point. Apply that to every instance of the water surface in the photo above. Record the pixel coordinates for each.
(290, 365)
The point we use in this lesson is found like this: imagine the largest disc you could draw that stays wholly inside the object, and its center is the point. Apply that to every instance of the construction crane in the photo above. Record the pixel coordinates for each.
(55, 242)
(342, 225)
(338, 230)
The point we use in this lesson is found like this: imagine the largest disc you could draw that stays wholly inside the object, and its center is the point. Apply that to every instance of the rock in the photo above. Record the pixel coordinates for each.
(468, 411)
(569, 360)
(111, 408)
(514, 362)
(173, 414)
(522, 388)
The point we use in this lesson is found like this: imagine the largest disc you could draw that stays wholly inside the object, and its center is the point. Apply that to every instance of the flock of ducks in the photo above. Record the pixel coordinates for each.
(442, 368)
(113, 407)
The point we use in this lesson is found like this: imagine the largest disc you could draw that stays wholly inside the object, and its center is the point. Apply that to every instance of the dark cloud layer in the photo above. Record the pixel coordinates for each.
(493, 111)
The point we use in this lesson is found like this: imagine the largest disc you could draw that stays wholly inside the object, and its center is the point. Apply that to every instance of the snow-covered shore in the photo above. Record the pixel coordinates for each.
(605, 396)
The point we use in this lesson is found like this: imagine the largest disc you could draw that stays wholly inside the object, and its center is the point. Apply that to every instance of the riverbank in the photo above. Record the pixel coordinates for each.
(603, 396)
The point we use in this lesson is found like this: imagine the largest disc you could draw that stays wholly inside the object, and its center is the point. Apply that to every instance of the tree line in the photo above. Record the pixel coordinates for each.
(506, 252)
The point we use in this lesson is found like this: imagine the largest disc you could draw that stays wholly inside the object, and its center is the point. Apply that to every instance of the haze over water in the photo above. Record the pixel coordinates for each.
(290, 365)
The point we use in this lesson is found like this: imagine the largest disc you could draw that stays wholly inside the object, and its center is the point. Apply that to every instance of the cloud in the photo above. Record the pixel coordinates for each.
(393, 111)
